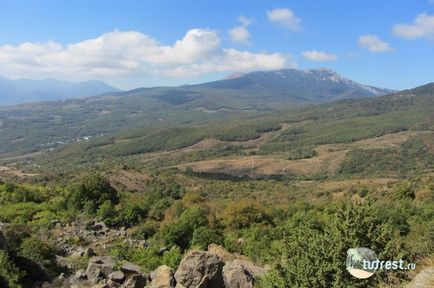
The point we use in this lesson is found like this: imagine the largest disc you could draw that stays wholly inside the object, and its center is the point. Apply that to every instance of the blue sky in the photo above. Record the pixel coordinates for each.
(148, 43)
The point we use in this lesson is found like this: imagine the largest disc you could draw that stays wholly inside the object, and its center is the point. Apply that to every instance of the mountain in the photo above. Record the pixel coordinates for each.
(25, 90)
(30, 127)
(264, 90)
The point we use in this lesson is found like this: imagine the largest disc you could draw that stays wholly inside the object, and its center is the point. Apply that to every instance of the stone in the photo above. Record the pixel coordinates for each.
(162, 277)
(117, 276)
(99, 267)
(162, 250)
(423, 279)
(131, 268)
(135, 281)
(236, 276)
(88, 252)
(80, 275)
(200, 269)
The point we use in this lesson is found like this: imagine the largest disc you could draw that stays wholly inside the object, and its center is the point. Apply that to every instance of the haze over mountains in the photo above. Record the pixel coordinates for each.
(25, 90)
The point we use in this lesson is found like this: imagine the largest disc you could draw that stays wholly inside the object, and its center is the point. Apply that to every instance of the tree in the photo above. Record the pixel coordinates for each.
(95, 189)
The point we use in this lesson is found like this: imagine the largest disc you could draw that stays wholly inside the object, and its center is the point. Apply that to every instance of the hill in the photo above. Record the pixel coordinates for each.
(25, 90)
(32, 127)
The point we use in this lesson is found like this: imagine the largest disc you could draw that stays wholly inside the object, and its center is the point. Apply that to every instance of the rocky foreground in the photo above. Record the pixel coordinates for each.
(215, 268)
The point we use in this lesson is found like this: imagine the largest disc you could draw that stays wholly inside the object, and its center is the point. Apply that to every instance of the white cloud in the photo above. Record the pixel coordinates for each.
(132, 54)
(423, 27)
(315, 55)
(374, 44)
(285, 17)
(240, 34)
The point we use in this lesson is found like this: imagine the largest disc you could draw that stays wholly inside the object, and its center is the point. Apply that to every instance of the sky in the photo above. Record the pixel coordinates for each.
(130, 44)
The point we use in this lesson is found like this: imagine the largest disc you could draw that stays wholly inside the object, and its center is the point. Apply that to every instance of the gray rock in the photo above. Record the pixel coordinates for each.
(135, 281)
(99, 268)
(80, 275)
(88, 252)
(117, 276)
(162, 250)
(162, 277)
(131, 268)
(200, 269)
(236, 276)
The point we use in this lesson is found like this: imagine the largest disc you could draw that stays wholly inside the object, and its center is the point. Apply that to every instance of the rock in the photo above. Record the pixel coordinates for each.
(221, 252)
(131, 268)
(200, 269)
(117, 276)
(162, 277)
(143, 244)
(80, 275)
(3, 243)
(135, 281)
(101, 285)
(423, 279)
(236, 276)
(100, 226)
(99, 267)
(162, 250)
(88, 252)
(250, 267)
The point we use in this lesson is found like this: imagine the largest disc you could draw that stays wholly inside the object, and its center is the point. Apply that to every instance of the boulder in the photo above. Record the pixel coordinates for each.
(162, 277)
(251, 268)
(80, 275)
(200, 270)
(423, 279)
(117, 276)
(135, 281)
(99, 268)
(88, 252)
(130, 268)
(236, 276)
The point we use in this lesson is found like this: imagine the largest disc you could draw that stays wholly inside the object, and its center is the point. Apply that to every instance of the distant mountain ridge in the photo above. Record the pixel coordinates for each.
(263, 90)
(25, 90)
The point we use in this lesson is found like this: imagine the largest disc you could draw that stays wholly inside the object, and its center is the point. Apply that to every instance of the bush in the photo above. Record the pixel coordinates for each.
(180, 233)
(40, 257)
(243, 214)
(204, 236)
(93, 189)
(10, 275)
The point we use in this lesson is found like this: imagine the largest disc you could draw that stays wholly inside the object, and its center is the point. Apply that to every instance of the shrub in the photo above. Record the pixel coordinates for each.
(10, 275)
(243, 214)
(204, 236)
(94, 189)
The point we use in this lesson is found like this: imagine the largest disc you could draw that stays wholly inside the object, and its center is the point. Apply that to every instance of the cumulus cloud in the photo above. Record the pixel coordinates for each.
(130, 53)
(315, 55)
(422, 27)
(285, 18)
(240, 34)
(374, 44)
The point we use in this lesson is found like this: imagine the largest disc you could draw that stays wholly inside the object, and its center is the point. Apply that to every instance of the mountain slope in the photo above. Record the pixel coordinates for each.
(264, 90)
(24, 90)
(333, 139)
(30, 127)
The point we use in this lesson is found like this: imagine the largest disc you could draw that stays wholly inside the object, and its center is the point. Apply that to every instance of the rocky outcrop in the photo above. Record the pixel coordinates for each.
(162, 277)
(423, 279)
(99, 268)
(200, 270)
(236, 276)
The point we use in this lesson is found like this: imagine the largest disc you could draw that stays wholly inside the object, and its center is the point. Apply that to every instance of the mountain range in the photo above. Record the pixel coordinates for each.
(31, 126)
(25, 90)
